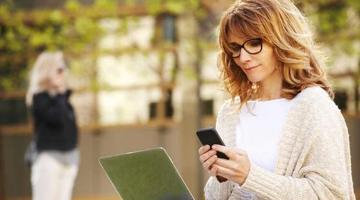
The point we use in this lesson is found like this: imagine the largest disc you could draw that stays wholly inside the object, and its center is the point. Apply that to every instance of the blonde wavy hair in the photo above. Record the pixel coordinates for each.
(280, 24)
(43, 70)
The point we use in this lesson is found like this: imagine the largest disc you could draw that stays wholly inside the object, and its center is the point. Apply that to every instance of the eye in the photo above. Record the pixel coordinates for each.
(234, 47)
(254, 42)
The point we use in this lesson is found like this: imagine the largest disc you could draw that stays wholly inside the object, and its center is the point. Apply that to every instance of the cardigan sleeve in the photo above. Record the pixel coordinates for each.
(324, 169)
(214, 190)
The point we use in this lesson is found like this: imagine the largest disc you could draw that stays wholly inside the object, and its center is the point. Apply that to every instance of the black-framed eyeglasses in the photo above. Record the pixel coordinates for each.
(252, 46)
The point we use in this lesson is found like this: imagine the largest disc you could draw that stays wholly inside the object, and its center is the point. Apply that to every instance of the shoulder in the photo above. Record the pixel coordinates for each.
(41, 96)
(229, 108)
(229, 111)
(44, 96)
(315, 104)
(226, 120)
(315, 98)
(314, 92)
(314, 118)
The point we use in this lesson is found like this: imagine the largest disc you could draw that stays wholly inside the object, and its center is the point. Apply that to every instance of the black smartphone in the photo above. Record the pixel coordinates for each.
(210, 136)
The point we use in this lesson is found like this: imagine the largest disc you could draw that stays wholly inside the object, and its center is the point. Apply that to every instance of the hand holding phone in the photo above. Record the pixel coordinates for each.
(209, 136)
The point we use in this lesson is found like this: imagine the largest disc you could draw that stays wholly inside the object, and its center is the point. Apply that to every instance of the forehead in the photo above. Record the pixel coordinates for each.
(237, 38)
(239, 28)
(238, 31)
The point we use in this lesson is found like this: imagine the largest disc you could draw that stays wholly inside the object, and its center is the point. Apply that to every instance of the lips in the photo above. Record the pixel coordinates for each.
(251, 68)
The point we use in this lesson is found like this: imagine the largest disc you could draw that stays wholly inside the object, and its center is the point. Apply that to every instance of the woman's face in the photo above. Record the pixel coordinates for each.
(258, 61)
(58, 77)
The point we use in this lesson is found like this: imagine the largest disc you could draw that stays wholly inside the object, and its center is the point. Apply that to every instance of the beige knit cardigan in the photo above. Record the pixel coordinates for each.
(313, 160)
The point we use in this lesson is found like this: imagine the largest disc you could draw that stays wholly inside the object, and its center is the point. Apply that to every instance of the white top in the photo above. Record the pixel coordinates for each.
(259, 130)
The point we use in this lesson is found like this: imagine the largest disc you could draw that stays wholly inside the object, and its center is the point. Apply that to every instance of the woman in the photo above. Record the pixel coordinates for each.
(283, 134)
(54, 169)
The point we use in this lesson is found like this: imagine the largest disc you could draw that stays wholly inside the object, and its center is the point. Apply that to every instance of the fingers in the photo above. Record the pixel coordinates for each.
(224, 149)
(237, 158)
(205, 156)
(238, 176)
(204, 149)
(217, 170)
(228, 164)
(213, 170)
(209, 162)
(230, 152)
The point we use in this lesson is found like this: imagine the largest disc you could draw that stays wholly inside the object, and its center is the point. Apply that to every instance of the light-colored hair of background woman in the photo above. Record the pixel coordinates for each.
(44, 68)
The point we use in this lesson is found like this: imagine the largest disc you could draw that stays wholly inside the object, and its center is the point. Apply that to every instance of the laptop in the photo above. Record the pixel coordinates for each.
(145, 175)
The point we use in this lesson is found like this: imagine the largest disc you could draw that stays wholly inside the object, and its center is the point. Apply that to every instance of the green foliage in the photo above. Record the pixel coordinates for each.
(25, 34)
(337, 24)
(173, 6)
(75, 29)
(110, 6)
(72, 5)
(332, 20)
(354, 4)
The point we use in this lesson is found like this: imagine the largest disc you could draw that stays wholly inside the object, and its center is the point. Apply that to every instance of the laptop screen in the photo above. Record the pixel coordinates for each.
(145, 175)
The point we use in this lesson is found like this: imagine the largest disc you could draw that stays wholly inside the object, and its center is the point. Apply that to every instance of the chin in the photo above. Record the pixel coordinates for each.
(254, 79)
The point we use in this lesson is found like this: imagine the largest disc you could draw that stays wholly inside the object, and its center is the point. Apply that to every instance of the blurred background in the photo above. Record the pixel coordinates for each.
(144, 74)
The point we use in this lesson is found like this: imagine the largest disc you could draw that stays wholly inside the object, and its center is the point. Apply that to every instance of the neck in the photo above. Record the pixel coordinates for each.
(271, 87)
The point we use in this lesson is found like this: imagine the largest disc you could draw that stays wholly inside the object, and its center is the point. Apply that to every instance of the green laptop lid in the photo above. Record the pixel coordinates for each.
(145, 175)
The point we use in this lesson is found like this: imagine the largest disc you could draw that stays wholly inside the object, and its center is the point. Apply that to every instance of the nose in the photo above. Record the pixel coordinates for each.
(244, 56)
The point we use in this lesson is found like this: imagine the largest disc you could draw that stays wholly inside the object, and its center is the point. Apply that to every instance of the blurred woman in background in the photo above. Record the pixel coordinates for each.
(55, 167)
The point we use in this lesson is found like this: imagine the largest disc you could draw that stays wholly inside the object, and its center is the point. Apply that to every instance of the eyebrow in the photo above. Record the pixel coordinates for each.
(236, 40)
(238, 43)
(234, 44)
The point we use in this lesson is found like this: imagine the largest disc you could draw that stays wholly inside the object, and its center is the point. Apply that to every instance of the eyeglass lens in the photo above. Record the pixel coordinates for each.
(252, 46)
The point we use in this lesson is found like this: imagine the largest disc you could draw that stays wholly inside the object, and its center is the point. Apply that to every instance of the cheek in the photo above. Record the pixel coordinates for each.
(59, 76)
(269, 56)
(268, 59)
(57, 79)
(272, 63)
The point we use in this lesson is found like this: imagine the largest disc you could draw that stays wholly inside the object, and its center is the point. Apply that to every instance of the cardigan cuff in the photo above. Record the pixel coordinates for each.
(262, 182)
